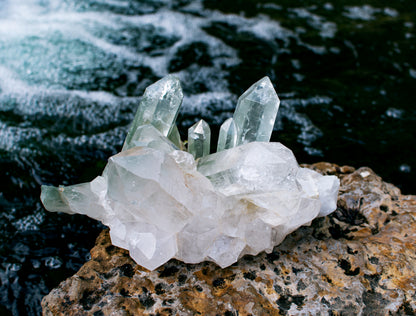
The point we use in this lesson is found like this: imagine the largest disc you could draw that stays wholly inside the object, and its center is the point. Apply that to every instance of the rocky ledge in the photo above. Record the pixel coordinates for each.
(360, 260)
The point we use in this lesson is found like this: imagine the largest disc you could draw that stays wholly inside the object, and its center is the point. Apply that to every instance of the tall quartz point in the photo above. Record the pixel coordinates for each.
(228, 135)
(199, 139)
(159, 106)
(161, 203)
(256, 112)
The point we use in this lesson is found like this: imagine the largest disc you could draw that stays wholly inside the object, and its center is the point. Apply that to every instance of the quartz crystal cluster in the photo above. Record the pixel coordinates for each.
(164, 201)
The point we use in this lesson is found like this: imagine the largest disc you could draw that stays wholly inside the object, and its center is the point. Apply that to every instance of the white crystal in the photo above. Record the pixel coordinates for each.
(160, 203)
(159, 206)
(255, 167)
(256, 112)
(228, 135)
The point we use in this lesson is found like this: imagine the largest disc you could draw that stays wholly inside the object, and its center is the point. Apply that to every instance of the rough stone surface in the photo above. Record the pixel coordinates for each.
(360, 260)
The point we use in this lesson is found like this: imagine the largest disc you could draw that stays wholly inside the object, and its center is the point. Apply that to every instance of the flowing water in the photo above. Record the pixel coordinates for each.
(72, 72)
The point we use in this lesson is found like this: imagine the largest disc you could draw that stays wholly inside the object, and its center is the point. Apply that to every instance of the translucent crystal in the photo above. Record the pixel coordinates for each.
(149, 136)
(256, 112)
(161, 203)
(228, 135)
(175, 137)
(199, 139)
(159, 106)
(250, 168)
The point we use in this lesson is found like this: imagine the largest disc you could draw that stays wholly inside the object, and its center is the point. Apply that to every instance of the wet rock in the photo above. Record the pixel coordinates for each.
(359, 260)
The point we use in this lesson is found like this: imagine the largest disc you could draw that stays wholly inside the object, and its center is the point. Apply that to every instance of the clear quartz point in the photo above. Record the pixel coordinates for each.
(199, 139)
(228, 135)
(256, 112)
(159, 106)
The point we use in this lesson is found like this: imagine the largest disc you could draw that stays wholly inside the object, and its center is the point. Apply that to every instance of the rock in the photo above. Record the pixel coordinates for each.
(361, 259)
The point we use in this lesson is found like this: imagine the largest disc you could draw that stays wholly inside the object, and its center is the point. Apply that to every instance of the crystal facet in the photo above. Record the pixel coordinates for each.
(149, 136)
(228, 135)
(159, 106)
(255, 167)
(199, 139)
(161, 202)
(175, 137)
(256, 112)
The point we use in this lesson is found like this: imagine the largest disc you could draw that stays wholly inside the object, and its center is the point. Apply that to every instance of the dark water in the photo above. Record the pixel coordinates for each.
(71, 73)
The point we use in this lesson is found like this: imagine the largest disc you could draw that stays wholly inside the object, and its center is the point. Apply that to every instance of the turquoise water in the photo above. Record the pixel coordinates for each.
(71, 76)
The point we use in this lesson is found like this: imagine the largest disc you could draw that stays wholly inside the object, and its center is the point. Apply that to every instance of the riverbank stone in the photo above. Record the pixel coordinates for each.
(361, 259)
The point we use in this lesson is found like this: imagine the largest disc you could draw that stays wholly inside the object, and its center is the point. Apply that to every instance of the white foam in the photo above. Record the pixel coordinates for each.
(365, 12)
(29, 18)
(327, 29)
(10, 136)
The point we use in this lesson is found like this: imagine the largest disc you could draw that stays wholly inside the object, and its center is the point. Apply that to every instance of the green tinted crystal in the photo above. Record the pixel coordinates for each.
(256, 112)
(199, 139)
(159, 106)
(149, 136)
(228, 135)
(175, 137)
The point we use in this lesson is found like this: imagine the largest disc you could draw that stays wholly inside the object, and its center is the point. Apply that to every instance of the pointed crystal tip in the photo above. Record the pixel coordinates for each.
(199, 139)
(228, 135)
(256, 112)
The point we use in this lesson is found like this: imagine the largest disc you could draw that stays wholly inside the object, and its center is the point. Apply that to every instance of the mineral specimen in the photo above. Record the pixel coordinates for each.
(161, 202)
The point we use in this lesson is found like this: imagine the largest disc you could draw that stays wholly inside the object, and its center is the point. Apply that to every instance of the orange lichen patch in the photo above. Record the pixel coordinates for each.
(209, 275)
(405, 283)
(222, 287)
(327, 279)
(131, 304)
(285, 270)
(269, 288)
(197, 302)
(362, 232)
(261, 305)
(293, 258)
